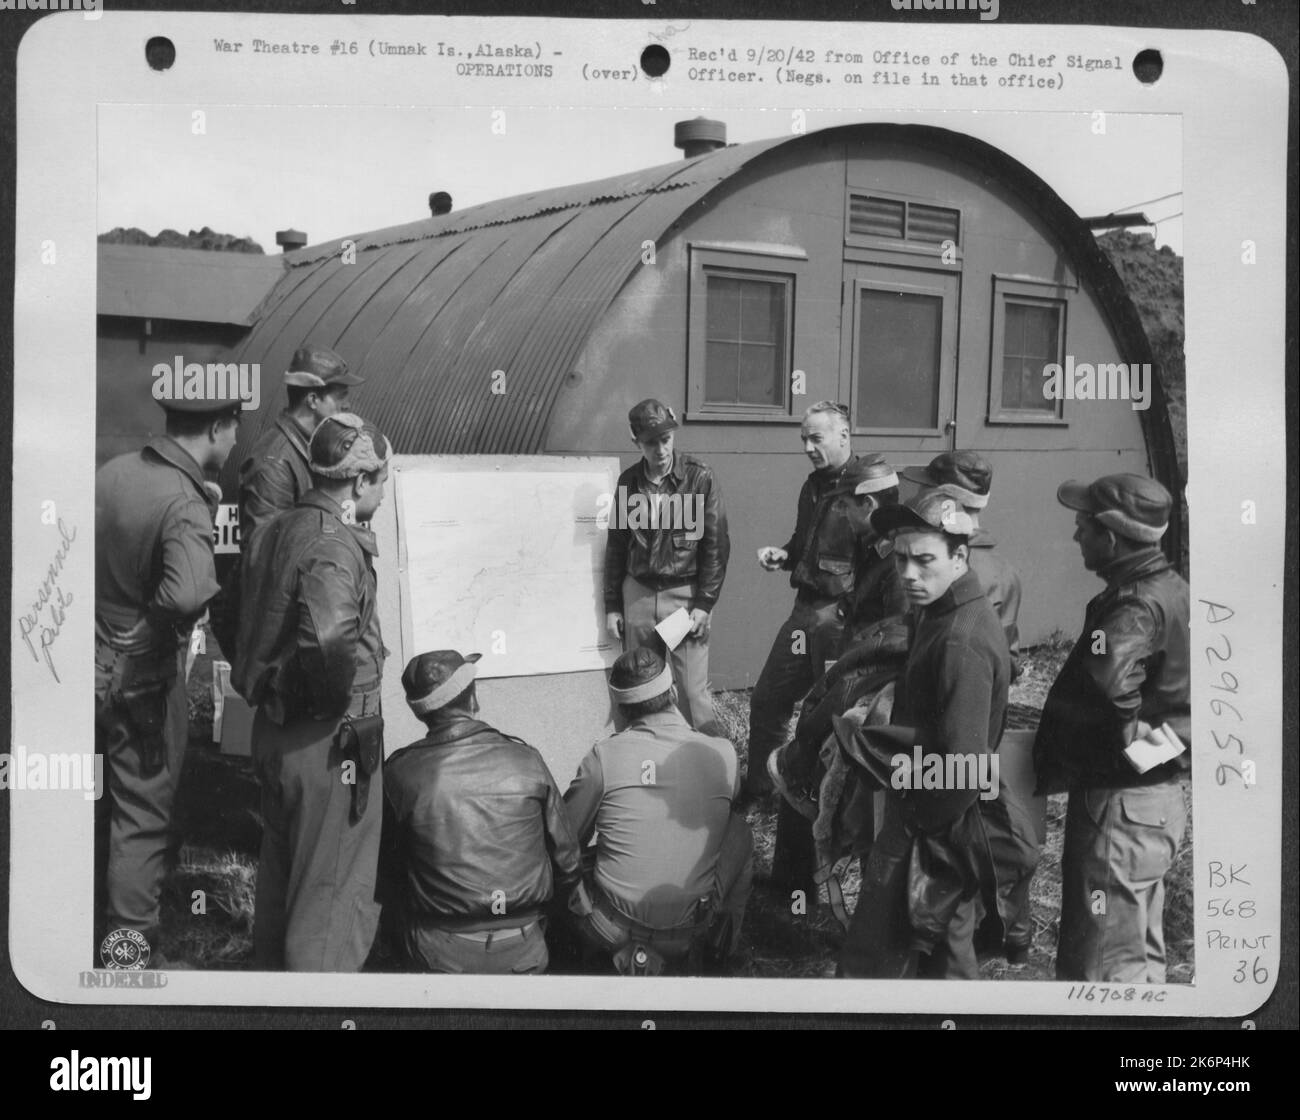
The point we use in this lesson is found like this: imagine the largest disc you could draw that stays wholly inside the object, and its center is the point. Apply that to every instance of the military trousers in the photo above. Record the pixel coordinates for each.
(513, 950)
(607, 930)
(644, 608)
(807, 640)
(315, 900)
(133, 816)
(1119, 845)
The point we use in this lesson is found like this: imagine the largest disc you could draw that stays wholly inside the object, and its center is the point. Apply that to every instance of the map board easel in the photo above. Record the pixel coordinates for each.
(501, 555)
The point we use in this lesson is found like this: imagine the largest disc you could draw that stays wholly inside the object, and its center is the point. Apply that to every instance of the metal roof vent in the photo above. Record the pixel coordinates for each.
(290, 239)
(439, 203)
(699, 137)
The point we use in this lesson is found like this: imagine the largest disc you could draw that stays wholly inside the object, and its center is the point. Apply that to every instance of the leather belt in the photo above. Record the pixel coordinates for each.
(647, 934)
(488, 936)
(364, 703)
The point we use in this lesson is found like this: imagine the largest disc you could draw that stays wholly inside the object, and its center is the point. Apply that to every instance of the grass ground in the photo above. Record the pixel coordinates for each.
(217, 815)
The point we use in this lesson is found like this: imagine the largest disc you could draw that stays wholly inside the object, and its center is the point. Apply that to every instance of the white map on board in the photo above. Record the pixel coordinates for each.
(508, 563)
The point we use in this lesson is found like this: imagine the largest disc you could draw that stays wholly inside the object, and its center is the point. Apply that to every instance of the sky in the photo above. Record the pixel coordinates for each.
(333, 171)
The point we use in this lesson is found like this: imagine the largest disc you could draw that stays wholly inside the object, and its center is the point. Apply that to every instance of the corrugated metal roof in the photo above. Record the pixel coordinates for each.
(432, 309)
(710, 168)
(429, 310)
(190, 285)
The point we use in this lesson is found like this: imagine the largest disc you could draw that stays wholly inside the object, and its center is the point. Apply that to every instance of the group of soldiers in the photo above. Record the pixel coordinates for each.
(902, 643)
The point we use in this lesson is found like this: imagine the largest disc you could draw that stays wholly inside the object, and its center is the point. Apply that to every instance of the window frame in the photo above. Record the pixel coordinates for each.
(766, 263)
(933, 282)
(1033, 292)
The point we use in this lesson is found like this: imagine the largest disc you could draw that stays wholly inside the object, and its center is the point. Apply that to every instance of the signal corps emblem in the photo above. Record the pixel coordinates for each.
(124, 949)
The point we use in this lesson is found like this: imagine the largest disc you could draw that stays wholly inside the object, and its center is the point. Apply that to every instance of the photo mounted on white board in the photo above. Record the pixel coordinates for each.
(887, 408)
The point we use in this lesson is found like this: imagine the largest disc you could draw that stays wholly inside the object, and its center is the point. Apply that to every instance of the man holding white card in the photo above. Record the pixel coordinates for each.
(666, 555)
(1110, 735)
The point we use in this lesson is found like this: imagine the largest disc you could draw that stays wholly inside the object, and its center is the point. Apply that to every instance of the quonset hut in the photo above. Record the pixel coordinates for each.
(919, 275)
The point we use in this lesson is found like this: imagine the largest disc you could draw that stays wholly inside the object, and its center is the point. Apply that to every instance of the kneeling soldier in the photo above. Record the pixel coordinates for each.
(310, 657)
(673, 862)
(476, 831)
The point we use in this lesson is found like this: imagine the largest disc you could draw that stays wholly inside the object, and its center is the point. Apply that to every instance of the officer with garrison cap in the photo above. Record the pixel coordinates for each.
(1125, 679)
(310, 657)
(154, 575)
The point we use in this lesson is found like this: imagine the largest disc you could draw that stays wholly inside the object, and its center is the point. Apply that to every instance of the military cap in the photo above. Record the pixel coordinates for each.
(639, 674)
(432, 680)
(1132, 505)
(928, 511)
(318, 367)
(214, 389)
(650, 418)
(877, 475)
(215, 407)
(967, 474)
(344, 446)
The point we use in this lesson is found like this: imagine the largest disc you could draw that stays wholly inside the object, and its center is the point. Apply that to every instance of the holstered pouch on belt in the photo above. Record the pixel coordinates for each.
(146, 707)
(361, 742)
(136, 683)
(638, 959)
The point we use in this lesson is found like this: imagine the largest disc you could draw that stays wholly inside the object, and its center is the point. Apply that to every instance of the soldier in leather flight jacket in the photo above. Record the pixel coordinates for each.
(1128, 673)
(154, 574)
(831, 531)
(667, 549)
(475, 832)
(310, 657)
(275, 473)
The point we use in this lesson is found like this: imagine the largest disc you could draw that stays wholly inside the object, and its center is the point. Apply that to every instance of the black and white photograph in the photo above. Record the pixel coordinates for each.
(738, 525)
(784, 345)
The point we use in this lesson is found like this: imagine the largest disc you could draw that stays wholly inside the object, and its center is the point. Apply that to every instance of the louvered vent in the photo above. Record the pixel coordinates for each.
(931, 223)
(870, 216)
(876, 217)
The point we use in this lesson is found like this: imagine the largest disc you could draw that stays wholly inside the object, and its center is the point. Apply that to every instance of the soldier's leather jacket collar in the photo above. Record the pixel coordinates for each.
(172, 452)
(982, 538)
(677, 472)
(1136, 565)
(452, 727)
(318, 500)
(962, 590)
(293, 432)
(847, 476)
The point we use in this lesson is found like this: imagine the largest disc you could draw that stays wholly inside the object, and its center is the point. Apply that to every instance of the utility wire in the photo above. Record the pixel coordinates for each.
(1147, 202)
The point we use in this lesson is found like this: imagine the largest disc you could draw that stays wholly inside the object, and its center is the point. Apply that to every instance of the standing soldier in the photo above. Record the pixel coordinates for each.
(667, 549)
(310, 657)
(968, 478)
(1126, 676)
(154, 575)
(831, 531)
(926, 867)
(832, 522)
(274, 474)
